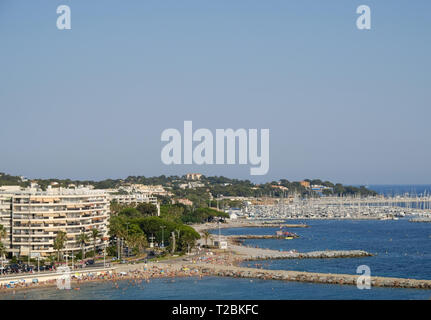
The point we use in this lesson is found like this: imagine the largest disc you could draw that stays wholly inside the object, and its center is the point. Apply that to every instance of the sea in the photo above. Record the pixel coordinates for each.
(398, 190)
(400, 249)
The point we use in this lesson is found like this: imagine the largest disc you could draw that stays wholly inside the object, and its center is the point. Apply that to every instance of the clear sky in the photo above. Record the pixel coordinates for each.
(341, 104)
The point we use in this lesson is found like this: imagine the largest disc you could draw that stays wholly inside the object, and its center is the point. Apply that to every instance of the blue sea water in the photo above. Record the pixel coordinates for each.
(394, 190)
(218, 289)
(401, 248)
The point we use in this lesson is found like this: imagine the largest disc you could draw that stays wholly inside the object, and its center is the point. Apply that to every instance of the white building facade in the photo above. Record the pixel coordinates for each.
(34, 217)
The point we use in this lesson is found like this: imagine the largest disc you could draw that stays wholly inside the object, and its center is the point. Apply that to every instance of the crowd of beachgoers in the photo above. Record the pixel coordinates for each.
(144, 273)
(141, 272)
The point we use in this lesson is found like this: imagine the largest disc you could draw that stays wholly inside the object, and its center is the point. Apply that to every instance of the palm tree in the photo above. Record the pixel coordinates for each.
(138, 241)
(2, 250)
(3, 232)
(59, 242)
(95, 234)
(206, 235)
(82, 240)
(116, 229)
(2, 253)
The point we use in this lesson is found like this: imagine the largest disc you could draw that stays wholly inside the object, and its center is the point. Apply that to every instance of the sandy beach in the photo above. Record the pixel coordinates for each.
(226, 263)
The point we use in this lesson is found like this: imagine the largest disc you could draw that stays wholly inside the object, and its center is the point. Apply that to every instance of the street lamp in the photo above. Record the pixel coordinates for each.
(83, 244)
(117, 240)
(127, 235)
(152, 241)
(163, 239)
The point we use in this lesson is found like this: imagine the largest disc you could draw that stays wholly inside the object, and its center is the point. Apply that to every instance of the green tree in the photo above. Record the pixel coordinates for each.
(95, 234)
(116, 207)
(82, 239)
(206, 235)
(130, 213)
(59, 242)
(117, 229)
(147, 209)
(138, 242)
(3, 250)
(3, 233)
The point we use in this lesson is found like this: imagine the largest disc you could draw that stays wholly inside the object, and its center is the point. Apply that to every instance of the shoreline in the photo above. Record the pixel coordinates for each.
(151, 272)
(227, 263)
(220, 265)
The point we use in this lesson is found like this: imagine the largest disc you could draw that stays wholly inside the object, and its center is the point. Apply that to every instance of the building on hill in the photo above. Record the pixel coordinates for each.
(191, 185)
(149, 189)
(282, 188)
(133, 198)
(186, 202)
(193, 176)
(305, 184)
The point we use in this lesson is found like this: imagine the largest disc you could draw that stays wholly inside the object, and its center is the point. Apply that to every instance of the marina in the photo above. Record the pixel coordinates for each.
(379, 207)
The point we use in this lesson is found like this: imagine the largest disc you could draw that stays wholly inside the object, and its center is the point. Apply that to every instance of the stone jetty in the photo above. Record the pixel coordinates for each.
(246, 224)
(250, 253)
(272, 225)
(422, 219)
(251, 236)
(327, 278)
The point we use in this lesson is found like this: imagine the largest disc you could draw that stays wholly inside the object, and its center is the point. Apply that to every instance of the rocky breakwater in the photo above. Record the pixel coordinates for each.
(245, 224)
(241, 238)
(342, 279)
(422, 219)
(251, 253)
(311, 255)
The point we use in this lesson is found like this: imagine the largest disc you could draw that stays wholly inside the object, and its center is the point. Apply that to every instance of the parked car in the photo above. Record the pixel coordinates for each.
(89, 262)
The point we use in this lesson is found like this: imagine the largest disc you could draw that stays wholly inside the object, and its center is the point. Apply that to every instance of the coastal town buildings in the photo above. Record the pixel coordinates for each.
(191, 185)
(34, 217)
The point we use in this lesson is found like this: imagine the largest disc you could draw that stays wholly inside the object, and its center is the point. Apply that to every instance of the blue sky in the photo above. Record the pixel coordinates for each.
(341, 104)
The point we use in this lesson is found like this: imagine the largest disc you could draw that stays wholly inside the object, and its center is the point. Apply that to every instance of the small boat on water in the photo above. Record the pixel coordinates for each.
(286, 234)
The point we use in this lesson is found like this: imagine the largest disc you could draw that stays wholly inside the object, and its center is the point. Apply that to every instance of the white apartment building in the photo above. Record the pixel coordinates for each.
(150, 189)
(5, 216)
(135, 198)
(34, 217)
